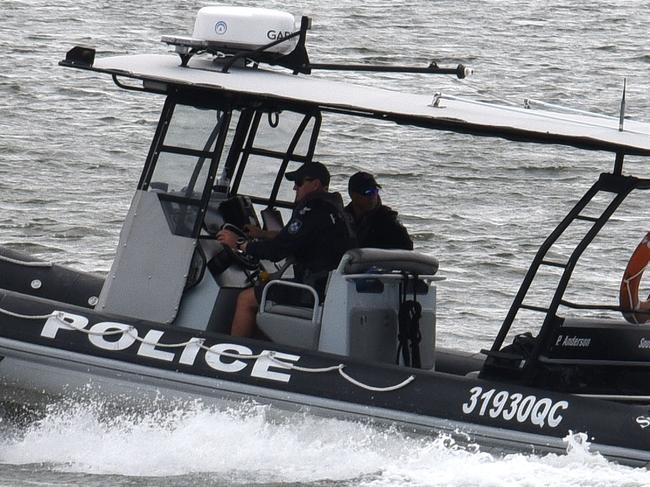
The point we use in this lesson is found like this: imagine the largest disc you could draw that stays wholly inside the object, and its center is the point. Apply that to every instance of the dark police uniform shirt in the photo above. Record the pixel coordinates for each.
(380, 229)
(316, 236)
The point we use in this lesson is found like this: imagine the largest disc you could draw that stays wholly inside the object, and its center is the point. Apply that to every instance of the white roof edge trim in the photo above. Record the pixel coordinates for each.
(592, 132)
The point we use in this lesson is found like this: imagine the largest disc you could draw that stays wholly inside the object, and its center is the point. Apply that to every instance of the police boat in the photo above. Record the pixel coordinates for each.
(241, 109)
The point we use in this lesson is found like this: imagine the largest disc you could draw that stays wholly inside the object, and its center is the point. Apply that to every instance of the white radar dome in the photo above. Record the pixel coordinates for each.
(245, 28)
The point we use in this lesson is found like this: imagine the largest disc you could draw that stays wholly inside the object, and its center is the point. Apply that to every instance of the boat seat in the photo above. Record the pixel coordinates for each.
(294, 311)
(362, 260)
(298, 326)
(362, 304)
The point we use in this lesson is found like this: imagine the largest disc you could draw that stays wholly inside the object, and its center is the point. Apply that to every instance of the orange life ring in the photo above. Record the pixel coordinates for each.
(629, 295)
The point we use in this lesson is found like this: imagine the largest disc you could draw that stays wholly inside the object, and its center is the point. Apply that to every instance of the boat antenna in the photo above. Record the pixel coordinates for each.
(622, 115)
(461, 71)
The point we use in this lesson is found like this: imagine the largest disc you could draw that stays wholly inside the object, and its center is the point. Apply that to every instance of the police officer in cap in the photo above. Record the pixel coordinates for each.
(376, 225)
(316, 237)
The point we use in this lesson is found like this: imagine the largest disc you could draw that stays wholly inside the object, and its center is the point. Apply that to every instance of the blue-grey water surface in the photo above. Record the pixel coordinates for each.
(72, 145)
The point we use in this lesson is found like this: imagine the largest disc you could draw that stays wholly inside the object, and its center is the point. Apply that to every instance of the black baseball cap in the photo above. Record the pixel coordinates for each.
(314, 170)
(362, 183)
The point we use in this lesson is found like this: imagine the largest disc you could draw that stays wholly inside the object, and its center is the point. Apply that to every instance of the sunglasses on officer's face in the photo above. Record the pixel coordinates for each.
(370, 191)
(303, 181)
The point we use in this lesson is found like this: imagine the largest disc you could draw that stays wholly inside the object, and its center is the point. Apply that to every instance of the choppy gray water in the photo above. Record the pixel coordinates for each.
(72, 144)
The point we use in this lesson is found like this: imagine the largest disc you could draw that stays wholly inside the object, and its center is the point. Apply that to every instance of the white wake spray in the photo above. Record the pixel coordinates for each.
(249, 444)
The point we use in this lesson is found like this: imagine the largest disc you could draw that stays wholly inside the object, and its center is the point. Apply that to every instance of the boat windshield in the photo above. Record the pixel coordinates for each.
(184, 158)
(281, 142)
(182, 162)
(204, 154)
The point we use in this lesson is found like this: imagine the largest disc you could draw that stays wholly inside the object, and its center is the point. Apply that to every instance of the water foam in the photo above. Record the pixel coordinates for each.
(250, 443)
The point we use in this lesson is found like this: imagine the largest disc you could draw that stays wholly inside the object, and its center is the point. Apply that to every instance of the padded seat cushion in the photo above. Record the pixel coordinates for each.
(386, 261)
(296, 311)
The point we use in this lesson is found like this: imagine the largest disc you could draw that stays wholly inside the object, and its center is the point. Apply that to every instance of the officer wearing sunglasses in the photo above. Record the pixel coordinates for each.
(376, 225)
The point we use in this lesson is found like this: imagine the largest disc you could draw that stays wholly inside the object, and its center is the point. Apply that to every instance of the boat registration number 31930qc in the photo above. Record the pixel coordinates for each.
(509, 406)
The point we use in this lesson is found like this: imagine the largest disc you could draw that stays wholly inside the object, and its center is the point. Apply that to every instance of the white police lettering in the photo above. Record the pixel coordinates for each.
(120, 336)
(216, 360)
(102, 341)
(503, 404)
(190, 350)
(63, 321)
(148, 347)
(262, 365)
(643, 421)
(644, 343)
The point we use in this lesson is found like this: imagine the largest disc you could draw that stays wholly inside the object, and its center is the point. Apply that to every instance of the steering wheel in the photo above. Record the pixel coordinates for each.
(236, 230)
(242, 258)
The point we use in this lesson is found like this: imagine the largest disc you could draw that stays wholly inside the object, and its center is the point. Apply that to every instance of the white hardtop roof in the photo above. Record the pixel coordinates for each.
(593, 132)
